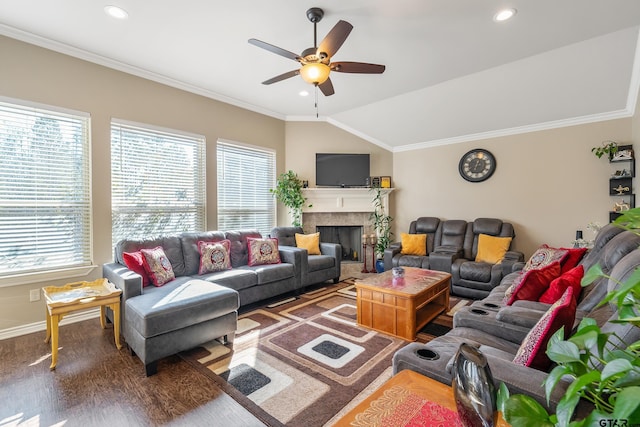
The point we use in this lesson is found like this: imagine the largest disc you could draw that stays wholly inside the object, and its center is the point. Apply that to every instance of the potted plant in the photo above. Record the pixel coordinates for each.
(608, 147)
(381, 223)
(289, 191)
(614, 389)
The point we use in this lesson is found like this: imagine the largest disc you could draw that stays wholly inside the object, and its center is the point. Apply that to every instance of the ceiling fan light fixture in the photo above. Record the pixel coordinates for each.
(116, 12)
(315, 73)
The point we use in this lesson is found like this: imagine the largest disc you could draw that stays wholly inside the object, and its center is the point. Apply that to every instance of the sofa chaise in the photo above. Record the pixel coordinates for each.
(193, 308)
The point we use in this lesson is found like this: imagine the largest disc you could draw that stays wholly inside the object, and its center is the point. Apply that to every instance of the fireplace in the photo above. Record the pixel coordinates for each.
(348, 236)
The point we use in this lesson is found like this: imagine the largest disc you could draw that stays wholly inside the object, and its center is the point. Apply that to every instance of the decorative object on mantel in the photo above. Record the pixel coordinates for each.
(289, 191)
(610, 148)
(381, 224)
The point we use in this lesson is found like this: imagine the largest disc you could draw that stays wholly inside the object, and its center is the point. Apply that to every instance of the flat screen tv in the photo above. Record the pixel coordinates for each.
(342, 170)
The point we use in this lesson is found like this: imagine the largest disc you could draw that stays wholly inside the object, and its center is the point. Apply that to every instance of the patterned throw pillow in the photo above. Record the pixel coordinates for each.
(413, 244)
(263, 251)
(570, 279)
(157, 266)
(532, 351)
(135, 262)
(533, 283)
(214, 256)
(545, 255)
(310, 242)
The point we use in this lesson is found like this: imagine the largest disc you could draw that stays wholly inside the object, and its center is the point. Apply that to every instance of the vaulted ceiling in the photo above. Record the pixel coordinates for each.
(452, 72)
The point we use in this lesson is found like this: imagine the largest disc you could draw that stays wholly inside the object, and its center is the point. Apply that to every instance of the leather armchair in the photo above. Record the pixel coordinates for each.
(476, 279)
(423, 225)
(314, 268)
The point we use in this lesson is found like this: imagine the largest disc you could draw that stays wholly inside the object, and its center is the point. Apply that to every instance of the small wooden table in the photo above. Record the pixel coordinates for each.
(62, 300)
(402, 306)
(406, 396)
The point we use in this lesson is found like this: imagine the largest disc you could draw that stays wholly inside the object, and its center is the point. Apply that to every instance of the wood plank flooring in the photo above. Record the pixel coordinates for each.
(94, 384)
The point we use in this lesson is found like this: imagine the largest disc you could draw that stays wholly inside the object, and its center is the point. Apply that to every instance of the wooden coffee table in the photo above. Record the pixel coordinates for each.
(402, 306)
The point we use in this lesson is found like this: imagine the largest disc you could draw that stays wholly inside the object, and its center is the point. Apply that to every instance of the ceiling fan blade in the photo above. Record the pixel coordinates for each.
(275, 49)
(332, 42)
(357, 67)
(281, 77)
(327, 88)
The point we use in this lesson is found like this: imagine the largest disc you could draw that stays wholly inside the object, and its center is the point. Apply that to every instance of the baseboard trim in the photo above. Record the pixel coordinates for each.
(42, 326)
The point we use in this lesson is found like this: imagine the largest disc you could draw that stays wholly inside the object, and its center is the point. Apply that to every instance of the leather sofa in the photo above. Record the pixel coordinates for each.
(498, 330)
(192, 309)
(452, 246)
(314, 268)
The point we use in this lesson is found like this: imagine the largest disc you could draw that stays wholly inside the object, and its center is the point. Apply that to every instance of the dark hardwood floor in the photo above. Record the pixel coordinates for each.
(94, 384)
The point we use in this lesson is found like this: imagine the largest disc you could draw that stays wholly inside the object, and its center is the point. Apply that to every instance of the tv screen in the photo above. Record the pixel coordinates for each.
(342, 170)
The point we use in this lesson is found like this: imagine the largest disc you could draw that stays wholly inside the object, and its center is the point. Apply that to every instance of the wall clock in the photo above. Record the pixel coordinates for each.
(477, 165)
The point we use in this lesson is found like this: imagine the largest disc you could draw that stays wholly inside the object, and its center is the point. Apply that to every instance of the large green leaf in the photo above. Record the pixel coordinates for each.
(582, 381)
(614, 368)
(627, 402)
(565, 408)
(502, 396)
(563, 352)
(524, 411)
(554, 376)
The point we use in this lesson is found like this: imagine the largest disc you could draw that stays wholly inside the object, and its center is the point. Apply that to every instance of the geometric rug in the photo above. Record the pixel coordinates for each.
(302, 361)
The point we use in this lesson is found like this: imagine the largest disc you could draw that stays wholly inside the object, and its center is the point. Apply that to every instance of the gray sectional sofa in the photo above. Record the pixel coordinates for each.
(498, 330)
(192, 308)
(452, 246)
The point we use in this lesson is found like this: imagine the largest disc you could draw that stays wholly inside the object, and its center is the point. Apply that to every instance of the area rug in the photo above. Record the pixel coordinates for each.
(303, 361)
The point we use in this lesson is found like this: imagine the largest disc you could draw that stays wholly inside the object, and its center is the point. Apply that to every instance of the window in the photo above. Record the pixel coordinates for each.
(245, 175)
(45, 189)
(157, 182)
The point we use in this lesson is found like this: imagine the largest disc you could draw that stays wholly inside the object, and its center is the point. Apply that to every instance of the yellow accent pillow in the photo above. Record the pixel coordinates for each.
(413, 244)
(310, 242)
(492, 249)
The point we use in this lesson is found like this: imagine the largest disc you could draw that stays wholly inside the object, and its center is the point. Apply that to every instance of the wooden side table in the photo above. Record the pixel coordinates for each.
(406, 394)
(62, 300)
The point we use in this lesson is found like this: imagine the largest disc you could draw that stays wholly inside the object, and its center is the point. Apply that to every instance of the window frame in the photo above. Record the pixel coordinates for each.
(250, 147)
(63, 271)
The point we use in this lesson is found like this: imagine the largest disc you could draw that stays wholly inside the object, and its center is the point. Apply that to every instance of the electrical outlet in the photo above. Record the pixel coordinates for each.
(34, 295)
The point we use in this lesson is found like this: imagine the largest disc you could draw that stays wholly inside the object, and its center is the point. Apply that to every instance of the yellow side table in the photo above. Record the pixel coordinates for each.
(62, 300)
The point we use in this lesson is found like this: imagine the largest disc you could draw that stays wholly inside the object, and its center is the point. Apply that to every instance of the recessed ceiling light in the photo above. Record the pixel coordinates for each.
(303, 93)
(505, 14)
(116, 12)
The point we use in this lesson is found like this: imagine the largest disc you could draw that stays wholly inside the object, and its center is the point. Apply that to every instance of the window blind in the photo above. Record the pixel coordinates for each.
(45, 190)
(157, 182)
(245, 175)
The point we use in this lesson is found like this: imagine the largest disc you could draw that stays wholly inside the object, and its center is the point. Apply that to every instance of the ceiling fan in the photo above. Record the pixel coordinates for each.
(316, 61)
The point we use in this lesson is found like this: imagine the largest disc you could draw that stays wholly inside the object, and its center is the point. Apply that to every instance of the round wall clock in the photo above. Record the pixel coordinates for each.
(477, 165)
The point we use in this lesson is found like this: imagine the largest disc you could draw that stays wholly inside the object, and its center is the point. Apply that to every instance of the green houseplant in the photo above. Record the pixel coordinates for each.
(289, 191)
(608, 147)
(614, 390)
(381, 223)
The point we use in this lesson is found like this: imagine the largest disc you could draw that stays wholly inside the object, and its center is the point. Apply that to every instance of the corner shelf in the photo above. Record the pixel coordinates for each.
(621, 182)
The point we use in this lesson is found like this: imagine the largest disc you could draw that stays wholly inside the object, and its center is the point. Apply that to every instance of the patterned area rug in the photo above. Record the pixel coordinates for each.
(304, 361)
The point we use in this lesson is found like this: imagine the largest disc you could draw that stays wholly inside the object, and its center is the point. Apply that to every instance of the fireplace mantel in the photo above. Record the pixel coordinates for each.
(334, 200)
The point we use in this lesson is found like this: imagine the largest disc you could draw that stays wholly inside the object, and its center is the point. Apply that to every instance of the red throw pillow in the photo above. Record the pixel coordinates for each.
(534, 282)
(570, 279)
(572, 259)
(544, 256)
(157, 265)
(263, 251)
(135, 262)
(532, 351)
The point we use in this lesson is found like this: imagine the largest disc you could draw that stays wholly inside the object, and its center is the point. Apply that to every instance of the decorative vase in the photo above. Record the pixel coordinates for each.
(473, 388)
(379, 266)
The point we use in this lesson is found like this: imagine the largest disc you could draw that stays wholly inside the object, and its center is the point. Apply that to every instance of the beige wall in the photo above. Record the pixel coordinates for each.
(39, 75)
(547, 183)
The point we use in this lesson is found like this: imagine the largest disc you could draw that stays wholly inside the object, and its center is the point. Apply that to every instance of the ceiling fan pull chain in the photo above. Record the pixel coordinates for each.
(317, 114)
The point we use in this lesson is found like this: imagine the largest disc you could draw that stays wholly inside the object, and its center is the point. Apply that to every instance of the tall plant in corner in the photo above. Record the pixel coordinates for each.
(381, 223)
(289, 191)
